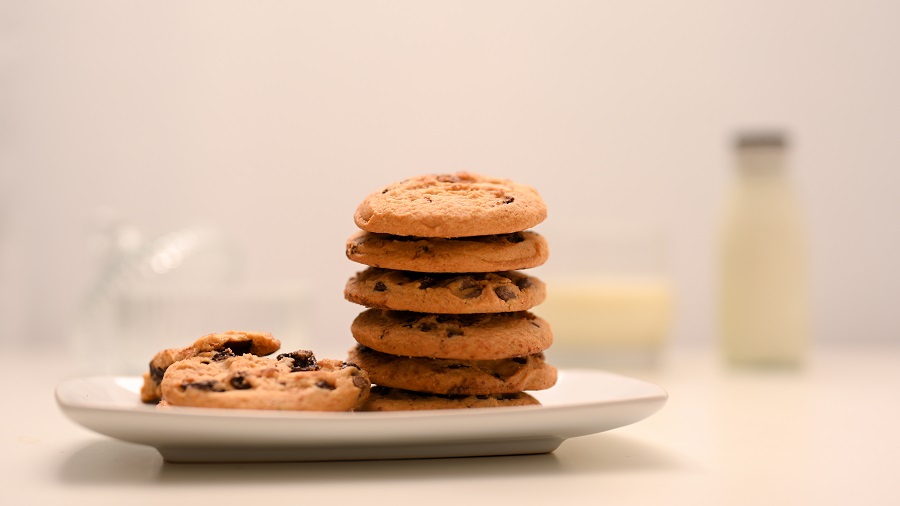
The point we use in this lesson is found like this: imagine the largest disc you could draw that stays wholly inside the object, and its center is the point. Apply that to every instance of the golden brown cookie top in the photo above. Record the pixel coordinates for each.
(484, 253)
(481, 336)
(292, 381)
(455, 377)
(465, 293)
(238, 341)
(460, 204)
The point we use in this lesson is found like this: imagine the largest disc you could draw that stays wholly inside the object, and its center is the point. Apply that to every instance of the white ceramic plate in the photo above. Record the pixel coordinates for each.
(582, 402)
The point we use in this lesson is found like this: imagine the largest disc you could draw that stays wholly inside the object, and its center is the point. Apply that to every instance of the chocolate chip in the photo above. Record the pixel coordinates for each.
(239, 347)
(515, 238)
(505, 293)
(426, 282)
(239, 382)
(380, 287)
(508, 200)
(157, 373)
(411, 321)
(523, 283)
(222, 355)
(360, 382)
(421, 250)
(325, 385)
(472, 293)
(206, 386)
(303, 360)
(469, 289)
(454, 332)
(426, 327)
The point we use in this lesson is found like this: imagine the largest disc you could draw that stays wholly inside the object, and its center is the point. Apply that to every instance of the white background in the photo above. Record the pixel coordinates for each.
(272, 120)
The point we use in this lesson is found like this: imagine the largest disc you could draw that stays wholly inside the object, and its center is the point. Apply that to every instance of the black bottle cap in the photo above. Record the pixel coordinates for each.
(760, 139)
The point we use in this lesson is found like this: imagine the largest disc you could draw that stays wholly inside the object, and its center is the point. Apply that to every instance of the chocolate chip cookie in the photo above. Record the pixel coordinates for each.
(292, 381)
(451, 205)
(484, 336)
(455, 377)
(492, 292)
(486, 253)
(395, 399)
(239, 342)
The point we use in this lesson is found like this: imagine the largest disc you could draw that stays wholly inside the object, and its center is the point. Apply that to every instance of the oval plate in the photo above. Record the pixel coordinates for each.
(582, 402)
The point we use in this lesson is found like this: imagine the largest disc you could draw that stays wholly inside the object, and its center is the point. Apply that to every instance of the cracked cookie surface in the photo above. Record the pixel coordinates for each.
(292, 381)
(485, 336)
(487, 253)
(239, 342)
(459, 204)
(492, 292)
(455, 377)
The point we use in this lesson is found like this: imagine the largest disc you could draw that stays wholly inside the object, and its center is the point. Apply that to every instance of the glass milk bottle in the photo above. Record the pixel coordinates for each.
(764, 281)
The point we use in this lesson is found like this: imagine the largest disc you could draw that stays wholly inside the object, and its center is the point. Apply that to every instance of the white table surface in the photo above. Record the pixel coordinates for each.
(827, 434)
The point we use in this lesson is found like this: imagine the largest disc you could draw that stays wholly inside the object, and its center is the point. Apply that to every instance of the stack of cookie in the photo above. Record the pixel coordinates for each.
(448, 324)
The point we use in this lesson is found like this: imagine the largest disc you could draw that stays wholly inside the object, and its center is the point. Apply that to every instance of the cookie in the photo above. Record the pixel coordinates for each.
(455, 377)
(395, 399)
(492, 292)
(484, 336)
(256, 343)
(451, 205)
(485, 253)
(293, 381)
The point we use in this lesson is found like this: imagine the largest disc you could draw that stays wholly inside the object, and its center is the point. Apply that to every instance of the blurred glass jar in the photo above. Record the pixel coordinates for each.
(167, 292)
(609, 296)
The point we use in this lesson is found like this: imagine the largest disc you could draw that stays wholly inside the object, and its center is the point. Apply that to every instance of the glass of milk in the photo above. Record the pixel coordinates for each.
(609, 296)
